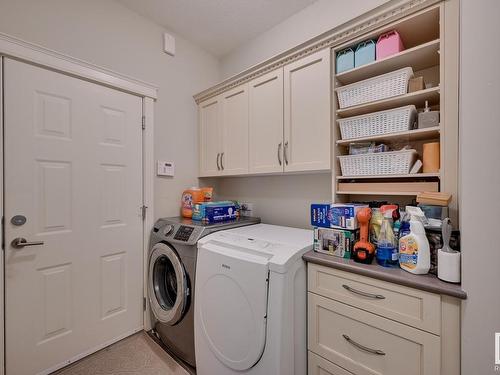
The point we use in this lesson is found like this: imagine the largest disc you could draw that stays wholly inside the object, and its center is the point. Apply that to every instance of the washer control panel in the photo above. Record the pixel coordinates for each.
(183, 233)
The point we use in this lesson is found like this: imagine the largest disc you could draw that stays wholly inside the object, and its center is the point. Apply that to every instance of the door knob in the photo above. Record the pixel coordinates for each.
(19, 243)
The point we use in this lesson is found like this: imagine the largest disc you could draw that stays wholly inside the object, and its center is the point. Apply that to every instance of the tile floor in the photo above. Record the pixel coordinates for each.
(135, 355)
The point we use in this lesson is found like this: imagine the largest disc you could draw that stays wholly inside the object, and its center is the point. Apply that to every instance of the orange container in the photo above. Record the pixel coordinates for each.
(190, 197)
(207, 193)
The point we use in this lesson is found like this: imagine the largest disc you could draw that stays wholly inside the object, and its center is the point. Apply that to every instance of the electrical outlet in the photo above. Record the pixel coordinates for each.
(247, 209)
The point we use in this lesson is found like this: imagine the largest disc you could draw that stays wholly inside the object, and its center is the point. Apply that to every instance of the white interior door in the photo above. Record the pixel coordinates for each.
(73, 169)
(234, 157)
(266, 123)
(307, 113)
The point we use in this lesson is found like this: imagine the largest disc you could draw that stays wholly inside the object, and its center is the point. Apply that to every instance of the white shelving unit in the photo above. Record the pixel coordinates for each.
(427, 46)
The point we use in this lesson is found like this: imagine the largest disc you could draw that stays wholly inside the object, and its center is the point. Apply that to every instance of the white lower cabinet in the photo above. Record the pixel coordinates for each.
(320, 366)
(368, 344)
(361, 326)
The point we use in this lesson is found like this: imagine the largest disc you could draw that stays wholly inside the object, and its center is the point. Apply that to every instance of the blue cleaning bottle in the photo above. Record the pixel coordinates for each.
(387, 249)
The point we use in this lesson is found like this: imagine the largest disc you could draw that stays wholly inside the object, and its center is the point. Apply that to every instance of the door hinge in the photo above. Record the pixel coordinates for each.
(144, 304)
(144, 209)
(143, 122)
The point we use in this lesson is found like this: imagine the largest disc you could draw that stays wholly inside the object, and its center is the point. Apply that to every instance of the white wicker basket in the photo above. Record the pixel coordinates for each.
(376, 88)
(383, 163)
(378, 123)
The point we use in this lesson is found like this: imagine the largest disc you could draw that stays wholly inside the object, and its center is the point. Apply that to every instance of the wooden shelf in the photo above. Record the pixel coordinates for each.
(386, 188)
(420, 57)
(410, 135)
(417, 98)
(396, 193)
(399, 176)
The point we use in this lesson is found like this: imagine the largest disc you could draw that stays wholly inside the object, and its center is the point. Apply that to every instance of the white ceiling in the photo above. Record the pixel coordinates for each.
(219, 26)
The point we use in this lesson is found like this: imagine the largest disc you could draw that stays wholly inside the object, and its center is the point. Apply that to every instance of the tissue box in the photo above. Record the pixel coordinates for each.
(213, 212)
(339, 215)
(336, 242)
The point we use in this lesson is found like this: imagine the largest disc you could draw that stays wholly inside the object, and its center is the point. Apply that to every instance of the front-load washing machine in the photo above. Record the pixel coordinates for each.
(171, 278)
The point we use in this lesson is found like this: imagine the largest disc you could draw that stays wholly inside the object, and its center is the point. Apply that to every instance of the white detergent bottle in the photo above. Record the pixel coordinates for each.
(414, 249)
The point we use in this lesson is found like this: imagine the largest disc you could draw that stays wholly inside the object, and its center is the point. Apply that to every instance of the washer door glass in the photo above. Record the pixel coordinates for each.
(168, 285)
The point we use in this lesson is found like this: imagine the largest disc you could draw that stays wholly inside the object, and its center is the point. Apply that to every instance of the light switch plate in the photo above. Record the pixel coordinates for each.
(165, 168)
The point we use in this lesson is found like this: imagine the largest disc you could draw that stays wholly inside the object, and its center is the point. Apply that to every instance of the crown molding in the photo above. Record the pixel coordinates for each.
(35, 54)
(376, 18)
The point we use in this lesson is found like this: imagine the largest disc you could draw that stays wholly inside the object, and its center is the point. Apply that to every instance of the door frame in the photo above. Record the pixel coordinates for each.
(33, 54)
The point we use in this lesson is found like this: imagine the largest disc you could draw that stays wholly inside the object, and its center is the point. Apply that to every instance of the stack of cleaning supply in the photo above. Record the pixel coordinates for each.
(192, 196)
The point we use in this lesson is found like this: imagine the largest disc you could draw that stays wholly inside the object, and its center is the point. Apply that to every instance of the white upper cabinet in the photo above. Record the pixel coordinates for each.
(234, 155)
(307, 98)
(266, 123)
(209, 113)
(278, 122)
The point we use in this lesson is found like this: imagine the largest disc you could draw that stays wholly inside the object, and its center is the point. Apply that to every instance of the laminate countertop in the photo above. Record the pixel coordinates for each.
(429, 283)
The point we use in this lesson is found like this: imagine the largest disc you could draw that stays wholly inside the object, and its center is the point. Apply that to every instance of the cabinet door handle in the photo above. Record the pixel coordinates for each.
(361, 293)
(279, 153)
(362, 347)
(218, 167)
(221, 159)
(285, 153)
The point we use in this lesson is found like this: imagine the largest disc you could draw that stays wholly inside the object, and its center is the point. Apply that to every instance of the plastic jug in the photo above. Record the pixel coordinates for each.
(190, 197)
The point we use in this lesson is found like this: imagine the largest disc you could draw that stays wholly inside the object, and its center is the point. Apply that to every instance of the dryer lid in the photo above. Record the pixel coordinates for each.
(232, 287)
(283, 246)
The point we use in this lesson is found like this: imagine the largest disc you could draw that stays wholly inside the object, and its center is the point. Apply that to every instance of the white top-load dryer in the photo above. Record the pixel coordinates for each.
(250, 311)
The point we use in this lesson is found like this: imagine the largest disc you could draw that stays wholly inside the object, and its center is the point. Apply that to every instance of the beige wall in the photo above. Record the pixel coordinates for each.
(316, 19)
(105, 33)
(480, 182)
(285, 200)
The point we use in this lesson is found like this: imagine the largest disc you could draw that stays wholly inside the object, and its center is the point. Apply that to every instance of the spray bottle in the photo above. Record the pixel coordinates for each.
(387, 245)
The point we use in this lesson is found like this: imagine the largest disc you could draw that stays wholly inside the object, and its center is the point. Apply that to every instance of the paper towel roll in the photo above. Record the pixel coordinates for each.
(449, 266)
(431, 157)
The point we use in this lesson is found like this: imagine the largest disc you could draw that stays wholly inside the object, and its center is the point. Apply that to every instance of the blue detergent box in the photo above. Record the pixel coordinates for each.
(214, 212)
(336, 215)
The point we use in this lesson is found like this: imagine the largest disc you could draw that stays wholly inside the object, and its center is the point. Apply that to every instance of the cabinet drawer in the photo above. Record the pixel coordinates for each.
(320, 366)
(413, 307)
(367, 344)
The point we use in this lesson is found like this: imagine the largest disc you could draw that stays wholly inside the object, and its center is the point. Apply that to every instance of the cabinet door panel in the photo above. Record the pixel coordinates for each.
(266, 123)
(307, 96)
(367, 344)
(210, 136)
(234, 159)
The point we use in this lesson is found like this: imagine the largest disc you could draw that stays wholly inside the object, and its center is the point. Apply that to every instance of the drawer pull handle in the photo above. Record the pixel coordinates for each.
(361, 293)
(362, 347)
